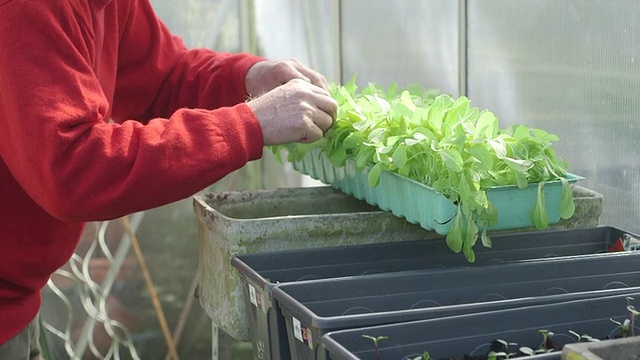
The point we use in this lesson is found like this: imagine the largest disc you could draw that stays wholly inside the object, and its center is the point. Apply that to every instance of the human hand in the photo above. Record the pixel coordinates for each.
(297, 111)
(266, 75)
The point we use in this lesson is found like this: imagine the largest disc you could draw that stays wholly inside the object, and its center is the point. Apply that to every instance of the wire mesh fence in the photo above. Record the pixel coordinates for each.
(76, 323)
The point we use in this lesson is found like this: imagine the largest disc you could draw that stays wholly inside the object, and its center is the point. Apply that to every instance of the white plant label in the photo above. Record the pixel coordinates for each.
(252, 295)
(297, 329)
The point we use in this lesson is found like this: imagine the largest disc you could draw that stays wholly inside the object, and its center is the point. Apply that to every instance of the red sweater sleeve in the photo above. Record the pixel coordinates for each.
(159, 79)
(72, 66)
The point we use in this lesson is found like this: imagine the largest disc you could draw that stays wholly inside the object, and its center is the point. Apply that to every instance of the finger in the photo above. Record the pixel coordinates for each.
(314, 77)
(329, 106)
(294, 74)
(294, 69)
(318, 90)
(312, 134)
(323, 121)
(311, 75)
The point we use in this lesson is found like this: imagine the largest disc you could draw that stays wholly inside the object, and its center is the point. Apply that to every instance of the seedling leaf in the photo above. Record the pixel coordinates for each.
(539, 217)
(567, 206)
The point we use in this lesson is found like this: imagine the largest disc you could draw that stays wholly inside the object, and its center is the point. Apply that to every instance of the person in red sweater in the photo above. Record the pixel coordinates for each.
(103, 112)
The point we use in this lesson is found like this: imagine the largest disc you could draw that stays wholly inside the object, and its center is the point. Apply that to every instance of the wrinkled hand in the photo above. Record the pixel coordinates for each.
(265, 76)
(297, 111)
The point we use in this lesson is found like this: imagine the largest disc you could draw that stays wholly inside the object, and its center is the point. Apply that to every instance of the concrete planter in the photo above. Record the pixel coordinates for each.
(618, 349)
(241, 222)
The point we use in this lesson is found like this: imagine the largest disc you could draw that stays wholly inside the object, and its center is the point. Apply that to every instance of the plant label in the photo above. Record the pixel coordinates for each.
(252, 295)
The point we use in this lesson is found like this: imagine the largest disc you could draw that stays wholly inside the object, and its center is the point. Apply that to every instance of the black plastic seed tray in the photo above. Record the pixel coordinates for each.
(261, 272)
(473, 334)
(314, 308)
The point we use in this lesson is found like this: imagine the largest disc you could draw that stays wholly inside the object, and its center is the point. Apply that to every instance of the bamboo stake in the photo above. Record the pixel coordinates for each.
(182, 321)
(152, 290)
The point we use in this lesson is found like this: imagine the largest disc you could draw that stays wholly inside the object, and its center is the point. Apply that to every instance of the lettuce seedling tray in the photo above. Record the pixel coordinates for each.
(314, 308)
(261, 272)
(473, 334)
(423, 205)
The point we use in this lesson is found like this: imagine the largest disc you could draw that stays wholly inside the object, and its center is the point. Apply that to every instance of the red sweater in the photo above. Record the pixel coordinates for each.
(66, 68)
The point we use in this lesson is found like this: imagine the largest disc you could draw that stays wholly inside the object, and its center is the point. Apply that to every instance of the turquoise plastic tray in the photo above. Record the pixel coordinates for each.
(423, 205)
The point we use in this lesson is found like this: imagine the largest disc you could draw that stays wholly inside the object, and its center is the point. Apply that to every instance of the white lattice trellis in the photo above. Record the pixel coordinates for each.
(93, 298)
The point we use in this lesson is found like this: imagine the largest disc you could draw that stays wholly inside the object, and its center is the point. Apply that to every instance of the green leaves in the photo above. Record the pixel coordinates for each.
(455, 237)
(374, 175)
(567, 206)
(539, 217)
(456, 149)
(452, 160)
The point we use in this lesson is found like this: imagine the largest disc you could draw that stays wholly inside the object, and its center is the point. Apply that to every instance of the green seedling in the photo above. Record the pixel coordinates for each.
(506, 354)
(495, 355)
(546, 334)
(624, 326)
(583, 337)
(424, 356)
(376, 342)
(530, 352)
(633, 313)
(627, 327)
